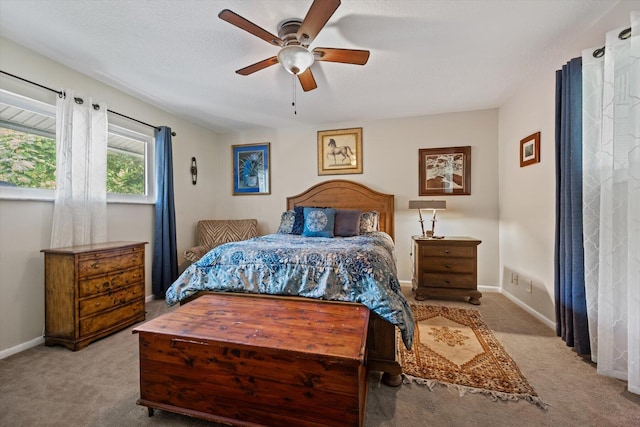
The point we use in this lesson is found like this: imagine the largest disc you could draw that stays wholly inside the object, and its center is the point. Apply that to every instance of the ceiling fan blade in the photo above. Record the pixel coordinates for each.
(307, 81)
(258, 66)
(244, 24)
(345, 56)
(317, 16)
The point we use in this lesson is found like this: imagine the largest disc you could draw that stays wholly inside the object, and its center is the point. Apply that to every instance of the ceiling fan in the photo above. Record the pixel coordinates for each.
(294, 37)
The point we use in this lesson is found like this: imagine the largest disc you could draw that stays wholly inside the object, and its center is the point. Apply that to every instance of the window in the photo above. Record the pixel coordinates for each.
(130, 167)
(28, 155)
(27, 146)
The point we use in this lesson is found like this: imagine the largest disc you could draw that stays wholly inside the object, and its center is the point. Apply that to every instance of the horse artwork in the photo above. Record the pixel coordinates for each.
(344, 151)
(340, 151)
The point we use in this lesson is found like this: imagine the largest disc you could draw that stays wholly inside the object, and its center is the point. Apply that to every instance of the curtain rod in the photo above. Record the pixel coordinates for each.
(624, 34)
(61, 94)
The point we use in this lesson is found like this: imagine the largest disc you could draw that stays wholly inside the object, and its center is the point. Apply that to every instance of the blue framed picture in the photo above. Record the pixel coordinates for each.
(251, 169)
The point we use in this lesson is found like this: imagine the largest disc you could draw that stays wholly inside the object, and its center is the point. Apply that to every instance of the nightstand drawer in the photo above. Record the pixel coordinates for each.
(448, 251)
(447, 265)
(465, 281)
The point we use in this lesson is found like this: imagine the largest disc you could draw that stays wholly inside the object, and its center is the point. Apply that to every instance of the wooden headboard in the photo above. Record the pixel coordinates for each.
(343, 194)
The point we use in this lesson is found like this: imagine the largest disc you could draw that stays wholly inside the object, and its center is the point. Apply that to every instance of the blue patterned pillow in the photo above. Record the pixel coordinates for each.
(318, 222)
(369, 221)
(286, 222)
(298, 223)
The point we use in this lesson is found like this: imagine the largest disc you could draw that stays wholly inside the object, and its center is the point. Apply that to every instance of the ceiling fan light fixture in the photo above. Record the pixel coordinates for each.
(295, 59)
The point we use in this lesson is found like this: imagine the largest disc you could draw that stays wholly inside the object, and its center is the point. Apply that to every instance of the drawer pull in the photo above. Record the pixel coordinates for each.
(446, 251)
(96, 264)
(448, 265)
(448, 281)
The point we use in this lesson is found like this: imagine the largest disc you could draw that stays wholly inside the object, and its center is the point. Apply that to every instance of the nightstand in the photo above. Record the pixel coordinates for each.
(445, 267)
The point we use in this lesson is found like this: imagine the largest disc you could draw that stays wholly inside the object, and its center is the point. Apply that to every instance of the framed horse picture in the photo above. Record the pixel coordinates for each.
(340, 151)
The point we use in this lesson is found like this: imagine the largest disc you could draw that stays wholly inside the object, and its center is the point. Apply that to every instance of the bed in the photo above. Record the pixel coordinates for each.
(331, 269)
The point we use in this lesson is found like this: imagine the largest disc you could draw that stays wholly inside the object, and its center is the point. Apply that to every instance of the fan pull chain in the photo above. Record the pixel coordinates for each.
(293, 102)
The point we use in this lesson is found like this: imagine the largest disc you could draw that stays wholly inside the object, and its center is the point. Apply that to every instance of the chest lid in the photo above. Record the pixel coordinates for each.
(285, 323)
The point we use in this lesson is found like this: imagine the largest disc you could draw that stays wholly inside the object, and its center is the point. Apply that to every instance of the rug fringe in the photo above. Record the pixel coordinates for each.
(462, 390)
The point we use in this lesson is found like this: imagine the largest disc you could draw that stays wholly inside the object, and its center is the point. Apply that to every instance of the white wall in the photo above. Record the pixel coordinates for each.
(527, 195)
(390, 165)
(25, 226)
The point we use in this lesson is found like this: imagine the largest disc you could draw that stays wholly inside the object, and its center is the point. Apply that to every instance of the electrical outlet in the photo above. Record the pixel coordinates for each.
(514, 278)
(530, 286)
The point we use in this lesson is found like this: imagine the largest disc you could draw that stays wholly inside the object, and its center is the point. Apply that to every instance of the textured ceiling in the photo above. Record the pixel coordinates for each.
(427, 56)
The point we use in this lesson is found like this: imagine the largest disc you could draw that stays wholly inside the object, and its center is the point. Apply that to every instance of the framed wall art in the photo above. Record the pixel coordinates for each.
(340, 151)
(530, 150)
(251, 169)
(444, 171)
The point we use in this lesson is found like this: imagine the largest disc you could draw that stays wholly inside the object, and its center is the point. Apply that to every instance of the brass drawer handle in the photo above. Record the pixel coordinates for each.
(96, 264)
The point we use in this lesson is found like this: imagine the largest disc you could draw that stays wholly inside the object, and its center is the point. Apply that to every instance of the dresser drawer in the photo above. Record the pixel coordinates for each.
(110, 282)
(447, 265)
(109, 319)
(100, 264)
(448, 251)
(465, 281)
(110, 300)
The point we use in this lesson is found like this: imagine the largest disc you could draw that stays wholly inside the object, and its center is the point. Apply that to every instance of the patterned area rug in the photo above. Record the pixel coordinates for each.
(455, 348)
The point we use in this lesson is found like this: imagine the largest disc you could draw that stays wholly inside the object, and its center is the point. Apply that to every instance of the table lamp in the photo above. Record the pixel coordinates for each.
(428, 204)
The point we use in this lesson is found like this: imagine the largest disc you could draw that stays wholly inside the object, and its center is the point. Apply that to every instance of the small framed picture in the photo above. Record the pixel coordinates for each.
(530, 150)
(340, 151)
(444, 171)
(251, 169)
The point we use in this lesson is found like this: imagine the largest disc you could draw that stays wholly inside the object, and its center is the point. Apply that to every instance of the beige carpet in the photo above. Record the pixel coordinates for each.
(455, 348)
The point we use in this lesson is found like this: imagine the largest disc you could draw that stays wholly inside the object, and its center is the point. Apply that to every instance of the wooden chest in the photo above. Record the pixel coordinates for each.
(446, 267)
(257, 360)
(92, 291)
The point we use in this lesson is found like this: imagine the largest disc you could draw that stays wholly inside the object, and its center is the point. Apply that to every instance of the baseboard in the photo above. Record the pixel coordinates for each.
(21, 347)
(551, 324)
(483, 288)
(37, 341)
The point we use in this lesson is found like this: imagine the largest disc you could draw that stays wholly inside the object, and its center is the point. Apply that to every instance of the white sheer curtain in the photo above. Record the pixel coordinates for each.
(611, 203)
(80, 209)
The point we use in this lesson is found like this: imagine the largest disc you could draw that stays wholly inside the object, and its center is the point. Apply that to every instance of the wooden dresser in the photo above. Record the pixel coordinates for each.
(257, 360)
(445, 267)
(92, 291)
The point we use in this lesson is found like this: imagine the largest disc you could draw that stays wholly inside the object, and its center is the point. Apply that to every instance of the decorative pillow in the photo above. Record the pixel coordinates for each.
(369, 221)
(298, 223)
(286, 222)
(347, 222)
(319, 222)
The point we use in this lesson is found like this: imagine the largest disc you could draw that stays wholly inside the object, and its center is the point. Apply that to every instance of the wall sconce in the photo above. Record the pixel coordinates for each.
(194, 171)
(428, 204)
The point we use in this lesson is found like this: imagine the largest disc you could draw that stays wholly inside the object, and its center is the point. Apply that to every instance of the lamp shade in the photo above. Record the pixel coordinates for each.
(428, 204)
(295, 59)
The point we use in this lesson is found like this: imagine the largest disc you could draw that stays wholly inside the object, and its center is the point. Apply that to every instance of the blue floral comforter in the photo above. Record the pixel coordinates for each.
(358, 269)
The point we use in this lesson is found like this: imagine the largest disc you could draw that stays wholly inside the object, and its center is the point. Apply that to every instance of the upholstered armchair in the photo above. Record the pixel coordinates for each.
(212, 233)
